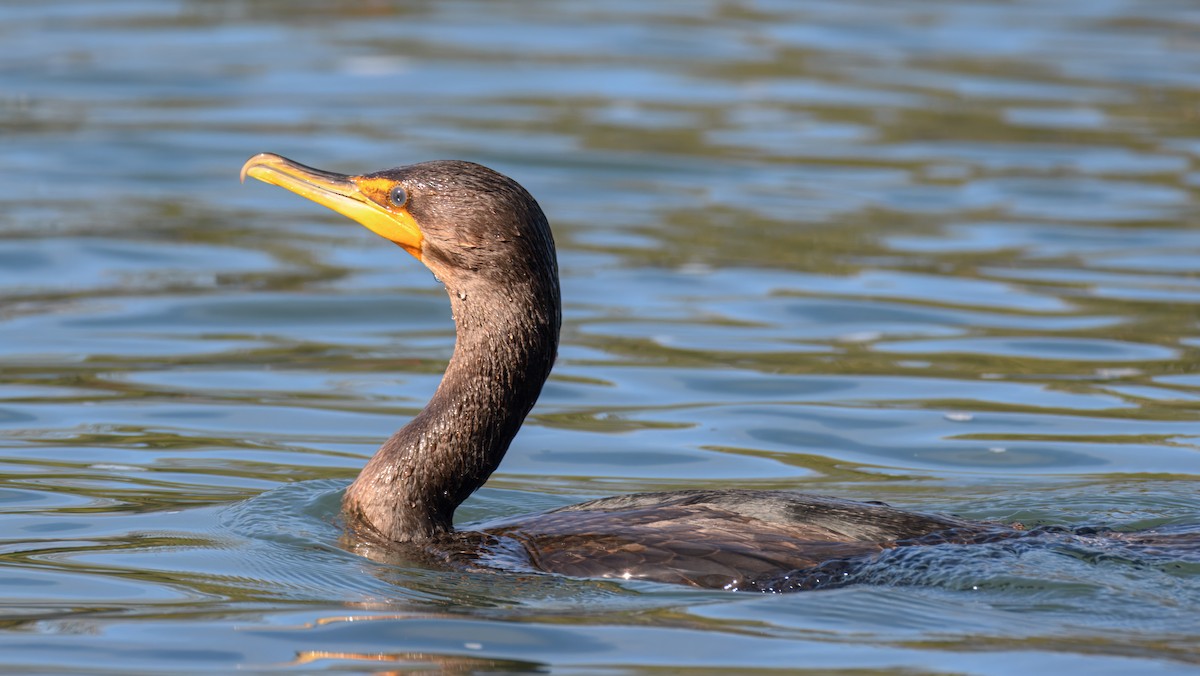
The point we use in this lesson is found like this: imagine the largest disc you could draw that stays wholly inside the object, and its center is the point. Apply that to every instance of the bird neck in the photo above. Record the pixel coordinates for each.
(505, 346)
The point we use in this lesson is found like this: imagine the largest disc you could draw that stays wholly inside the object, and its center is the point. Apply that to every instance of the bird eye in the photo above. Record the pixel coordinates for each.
(398, 196)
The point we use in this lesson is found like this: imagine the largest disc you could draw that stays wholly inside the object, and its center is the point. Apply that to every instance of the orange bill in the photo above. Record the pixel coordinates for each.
(361, 199)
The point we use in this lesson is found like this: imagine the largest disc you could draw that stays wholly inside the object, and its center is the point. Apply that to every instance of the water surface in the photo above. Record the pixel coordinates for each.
(942, 254)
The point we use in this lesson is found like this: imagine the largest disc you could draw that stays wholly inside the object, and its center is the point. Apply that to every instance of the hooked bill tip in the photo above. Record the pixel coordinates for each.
(251, 163)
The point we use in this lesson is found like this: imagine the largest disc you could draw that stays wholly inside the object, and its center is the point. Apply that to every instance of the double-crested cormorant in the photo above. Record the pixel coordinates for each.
(486, 239)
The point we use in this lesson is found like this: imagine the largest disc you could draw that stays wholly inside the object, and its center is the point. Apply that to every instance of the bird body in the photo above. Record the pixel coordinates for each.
(720, 539)
(487, 240)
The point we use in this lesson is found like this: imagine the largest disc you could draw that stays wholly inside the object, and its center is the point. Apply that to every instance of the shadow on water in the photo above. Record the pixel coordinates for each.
(938, 254)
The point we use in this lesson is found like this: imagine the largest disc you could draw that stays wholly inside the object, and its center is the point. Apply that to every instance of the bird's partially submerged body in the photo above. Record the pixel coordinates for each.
(486, 239)
(719, 539)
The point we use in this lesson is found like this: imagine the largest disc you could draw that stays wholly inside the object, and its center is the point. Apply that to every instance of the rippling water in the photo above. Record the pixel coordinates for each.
(939, 253)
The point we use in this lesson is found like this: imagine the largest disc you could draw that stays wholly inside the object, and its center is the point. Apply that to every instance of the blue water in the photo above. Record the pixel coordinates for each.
(939, 254)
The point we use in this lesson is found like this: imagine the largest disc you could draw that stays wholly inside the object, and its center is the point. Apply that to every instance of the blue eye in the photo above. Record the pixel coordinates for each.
(398, 196)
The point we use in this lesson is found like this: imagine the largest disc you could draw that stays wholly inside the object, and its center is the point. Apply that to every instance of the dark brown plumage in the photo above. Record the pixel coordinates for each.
(716, 539)
(486, 239)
